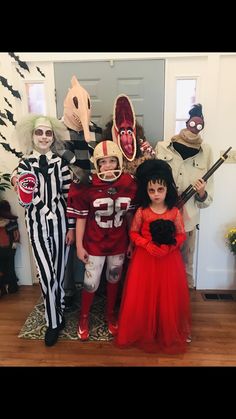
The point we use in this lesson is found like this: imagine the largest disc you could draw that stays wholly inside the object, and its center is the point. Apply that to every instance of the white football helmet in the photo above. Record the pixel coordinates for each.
(107, 149)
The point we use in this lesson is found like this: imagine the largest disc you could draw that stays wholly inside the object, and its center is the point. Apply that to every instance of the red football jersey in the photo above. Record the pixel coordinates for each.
(104, 205)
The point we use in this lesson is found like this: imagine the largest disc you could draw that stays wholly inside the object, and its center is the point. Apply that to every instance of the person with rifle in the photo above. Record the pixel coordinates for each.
(190, 158)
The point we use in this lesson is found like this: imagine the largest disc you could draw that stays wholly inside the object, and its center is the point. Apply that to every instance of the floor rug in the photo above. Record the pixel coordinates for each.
(35, 327)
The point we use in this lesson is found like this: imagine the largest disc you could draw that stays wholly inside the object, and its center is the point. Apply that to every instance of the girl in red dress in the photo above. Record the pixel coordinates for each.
(155, 306)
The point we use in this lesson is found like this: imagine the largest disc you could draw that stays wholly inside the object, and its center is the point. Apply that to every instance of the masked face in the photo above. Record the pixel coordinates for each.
(195, 124)
(77, 109)
(127, 141)
(42, 138)
(123, 130)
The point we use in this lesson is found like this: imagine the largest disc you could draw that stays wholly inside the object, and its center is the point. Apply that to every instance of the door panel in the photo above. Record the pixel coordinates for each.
(142, 80)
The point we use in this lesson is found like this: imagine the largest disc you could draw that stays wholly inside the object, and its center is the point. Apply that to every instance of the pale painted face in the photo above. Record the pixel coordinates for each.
(42, 139)
(156, 192)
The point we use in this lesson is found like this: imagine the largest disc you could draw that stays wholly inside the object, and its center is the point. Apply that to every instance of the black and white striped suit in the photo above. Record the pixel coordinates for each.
(47, 224)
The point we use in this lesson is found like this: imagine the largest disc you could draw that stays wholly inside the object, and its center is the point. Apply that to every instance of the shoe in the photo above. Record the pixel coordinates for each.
(83, 328)
(189, 339)
(112, 325)
(3, 290)
(12, 288)
(51, 336)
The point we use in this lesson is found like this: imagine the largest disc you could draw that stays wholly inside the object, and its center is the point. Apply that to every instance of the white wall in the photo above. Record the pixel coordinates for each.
(217, 264)
(217, 93)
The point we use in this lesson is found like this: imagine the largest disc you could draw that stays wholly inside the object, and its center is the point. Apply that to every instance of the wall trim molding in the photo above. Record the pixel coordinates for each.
(99, 56)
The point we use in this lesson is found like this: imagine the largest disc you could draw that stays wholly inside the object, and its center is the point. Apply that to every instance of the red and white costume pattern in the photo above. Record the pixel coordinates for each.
(104, 204)
(101, 210)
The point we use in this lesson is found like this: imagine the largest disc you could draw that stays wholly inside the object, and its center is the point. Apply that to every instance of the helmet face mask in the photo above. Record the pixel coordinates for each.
(108, 149)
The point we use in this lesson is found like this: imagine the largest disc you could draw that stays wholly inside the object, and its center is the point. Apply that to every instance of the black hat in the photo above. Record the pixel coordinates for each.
(5, 211)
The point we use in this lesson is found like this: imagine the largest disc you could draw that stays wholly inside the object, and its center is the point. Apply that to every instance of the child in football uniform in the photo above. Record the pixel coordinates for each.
(103, 210)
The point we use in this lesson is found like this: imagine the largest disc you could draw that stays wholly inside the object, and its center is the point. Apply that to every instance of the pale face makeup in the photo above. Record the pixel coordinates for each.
(156, 192)
(42, 139)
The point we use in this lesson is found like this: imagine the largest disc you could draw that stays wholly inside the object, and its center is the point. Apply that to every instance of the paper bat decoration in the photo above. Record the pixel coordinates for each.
(3, 136)
(9, 104)
(40, 71)
(2, 115)
(4, 82)
(22, 64)
(2, 122)
(18, 71)
(12, 150)
(10, 117)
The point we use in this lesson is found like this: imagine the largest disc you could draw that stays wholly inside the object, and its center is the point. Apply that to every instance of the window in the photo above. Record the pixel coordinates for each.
(36, 98)
(185, 99)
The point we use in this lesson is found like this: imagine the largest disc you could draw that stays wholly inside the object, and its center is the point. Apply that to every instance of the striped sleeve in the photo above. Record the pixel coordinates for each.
(66, 182)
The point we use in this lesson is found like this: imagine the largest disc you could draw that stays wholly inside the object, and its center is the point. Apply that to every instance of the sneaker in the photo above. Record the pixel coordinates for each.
(189, 339)
(83, 328)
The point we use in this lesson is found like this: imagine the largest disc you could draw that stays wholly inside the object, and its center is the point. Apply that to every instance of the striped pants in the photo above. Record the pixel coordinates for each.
(50, 254)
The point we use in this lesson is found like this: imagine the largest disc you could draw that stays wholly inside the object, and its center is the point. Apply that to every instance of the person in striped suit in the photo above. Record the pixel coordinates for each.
(50, 232)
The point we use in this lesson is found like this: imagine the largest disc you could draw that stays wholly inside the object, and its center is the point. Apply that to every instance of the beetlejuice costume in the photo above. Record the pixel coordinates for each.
(128, 134)
(45, 216)
(190, 158)
(155, 307)
(82, 134)
(103, 205)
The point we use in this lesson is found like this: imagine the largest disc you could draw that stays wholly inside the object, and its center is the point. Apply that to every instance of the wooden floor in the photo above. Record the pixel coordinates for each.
(213, 339)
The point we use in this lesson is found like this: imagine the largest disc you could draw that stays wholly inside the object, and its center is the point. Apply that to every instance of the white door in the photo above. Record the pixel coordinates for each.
(142, 80)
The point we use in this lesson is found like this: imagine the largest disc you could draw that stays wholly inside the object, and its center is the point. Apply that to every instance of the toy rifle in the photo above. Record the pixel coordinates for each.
(190, 191)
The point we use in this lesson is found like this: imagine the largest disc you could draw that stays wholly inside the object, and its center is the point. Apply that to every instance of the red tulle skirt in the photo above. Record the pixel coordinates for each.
(155, 307)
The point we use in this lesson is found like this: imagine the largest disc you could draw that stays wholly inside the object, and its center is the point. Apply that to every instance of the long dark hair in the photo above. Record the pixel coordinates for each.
(155, 170)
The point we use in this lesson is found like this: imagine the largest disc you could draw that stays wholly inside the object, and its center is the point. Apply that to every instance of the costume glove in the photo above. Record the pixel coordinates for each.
(165, 249)
(138, 239)
(158, 250)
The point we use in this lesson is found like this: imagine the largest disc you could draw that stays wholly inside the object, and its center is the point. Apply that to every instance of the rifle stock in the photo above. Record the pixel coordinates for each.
(190, 191)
